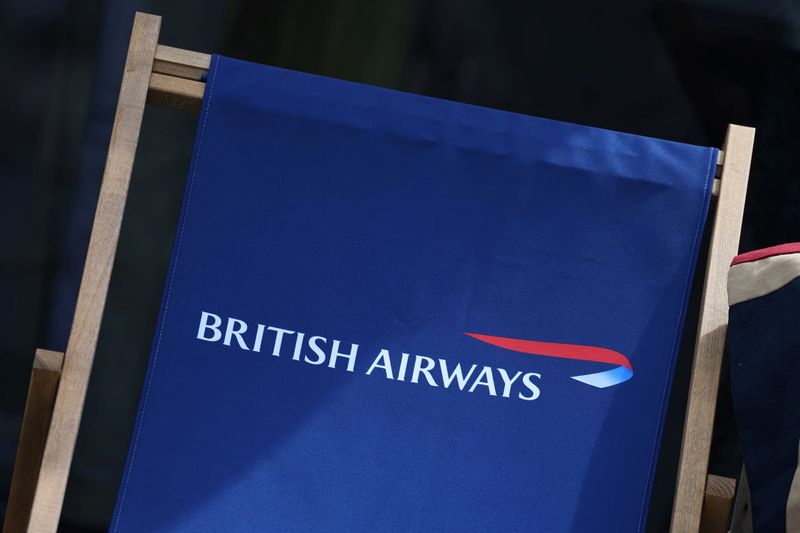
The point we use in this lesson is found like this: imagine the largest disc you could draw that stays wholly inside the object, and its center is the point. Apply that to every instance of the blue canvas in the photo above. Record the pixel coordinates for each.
(387, 312)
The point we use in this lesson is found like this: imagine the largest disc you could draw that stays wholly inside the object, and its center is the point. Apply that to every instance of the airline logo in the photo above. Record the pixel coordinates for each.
(406, 366)
(623, 371)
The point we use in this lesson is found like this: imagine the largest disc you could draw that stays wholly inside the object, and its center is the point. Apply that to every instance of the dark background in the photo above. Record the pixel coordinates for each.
(676, 70)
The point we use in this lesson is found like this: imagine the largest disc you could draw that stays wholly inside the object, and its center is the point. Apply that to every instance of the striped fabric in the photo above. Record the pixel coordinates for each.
(764, 350)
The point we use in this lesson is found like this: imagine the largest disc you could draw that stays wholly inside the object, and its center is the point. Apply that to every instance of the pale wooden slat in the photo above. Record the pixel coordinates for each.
(48, 360)
(175, 93)
(717, 172)
(82, 342)
(717, 504)
(181, 63)
(42, 389)
(180, 56)
(179, 71)
(711, 332)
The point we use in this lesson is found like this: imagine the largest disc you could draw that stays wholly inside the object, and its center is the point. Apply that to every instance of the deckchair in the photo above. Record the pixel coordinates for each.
(170, 77)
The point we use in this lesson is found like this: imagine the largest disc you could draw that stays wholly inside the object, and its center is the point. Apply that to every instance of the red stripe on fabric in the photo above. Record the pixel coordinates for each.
(556, 349)
(763, 253)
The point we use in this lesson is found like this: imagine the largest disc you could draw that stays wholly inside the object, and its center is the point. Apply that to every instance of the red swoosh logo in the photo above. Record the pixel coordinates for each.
(556, 349)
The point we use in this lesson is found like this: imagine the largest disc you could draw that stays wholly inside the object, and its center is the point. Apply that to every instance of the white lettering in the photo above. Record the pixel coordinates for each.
(526, 380)
(507, 382)
(235, 328)
(276, 348)
(259, 338)
(351, 357)
(298, 345)
(486, 379)
(401, 373)
(426, 371)
(382, 361)
(457, 374)
(204, 325)
(313, 344)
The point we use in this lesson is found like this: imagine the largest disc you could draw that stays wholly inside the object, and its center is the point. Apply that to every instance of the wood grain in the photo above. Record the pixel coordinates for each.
(48, 360)
(712, 328)
(42, 389)
(82, 342)
(181, 63)
(178, 80)
(175, 93)
(717, 504)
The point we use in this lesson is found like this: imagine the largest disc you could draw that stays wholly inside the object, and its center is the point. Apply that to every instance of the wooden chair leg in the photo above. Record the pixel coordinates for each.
(42, 389)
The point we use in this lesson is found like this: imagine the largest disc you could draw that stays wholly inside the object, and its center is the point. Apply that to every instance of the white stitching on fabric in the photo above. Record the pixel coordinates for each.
(684, 303)
(140, 422)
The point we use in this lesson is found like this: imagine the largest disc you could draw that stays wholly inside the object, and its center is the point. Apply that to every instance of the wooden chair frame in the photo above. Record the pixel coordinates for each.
(174, 78)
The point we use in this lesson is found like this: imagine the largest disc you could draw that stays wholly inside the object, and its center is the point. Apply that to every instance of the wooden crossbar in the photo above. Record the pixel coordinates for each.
(175, 78)
(178, 79)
